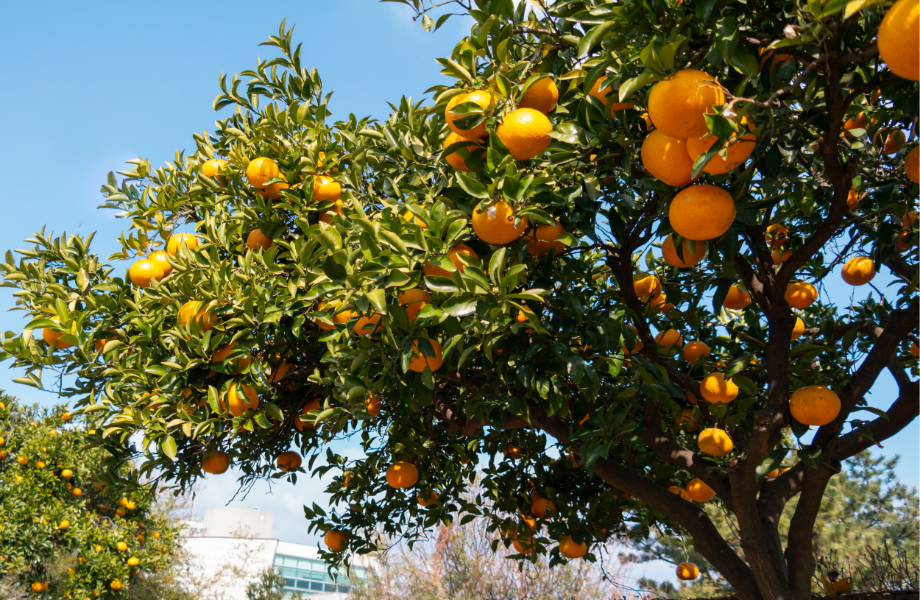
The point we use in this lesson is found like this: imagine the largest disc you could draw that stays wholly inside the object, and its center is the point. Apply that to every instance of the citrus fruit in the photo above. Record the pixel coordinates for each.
(694, 350)
(646, 285)
(894, 140)
(677, 105)
(814, 405)
(859, 270)
(660, 303)
(194, 311)
(737, 152)
(669, 338)
(525, 132)
(666, 159)
(540, 507)
(852, 198)
(336, 540)
(857, 121)
(257, 239)
(912, 164)
(601, 94)
(326, 188)
(223, 352)
(372, 405)
(736, 298)
(523, 545)
(899, 39)
(495, 224)
(261, 170)
(367, 325)
(52, 337)
(687, 571)
(210, 168)
(798, 329)
(454, 159)
(699, 491)
(715, 442)
(513, 451)
(801, 294)
(343, 316)
(686, 422)
(288, 461)
(570, 549)
(401, 475)
(240, 398)
(715, 388)
(483, 99)
(780, 256)
(776, 235)
(307, 408)
(549, 233)
(638, 346)
(679, 491)
(143, 272)
(420, 361)
(701, 212)
(669, 253)
(414, 300)
(432, 499)
(542, 96)
(216, 463)
(432, 270)
(324, 215)
(159, 258)
(176, 242)
(272, 191)
(133, 561)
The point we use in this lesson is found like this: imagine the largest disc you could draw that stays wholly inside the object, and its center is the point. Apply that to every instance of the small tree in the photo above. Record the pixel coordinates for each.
(269, 587)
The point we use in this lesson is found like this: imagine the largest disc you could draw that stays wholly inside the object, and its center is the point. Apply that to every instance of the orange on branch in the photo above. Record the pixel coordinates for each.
(686, 422)
(336, 540)
(687, 571)
(667, 159)
(210, 168)
(420, 361)
(224, 351)
(679, 491)
(798, 329)
(699, 491)
(671, 337)
(801, 294)
(193, 311)
(414, 300)
(601, 94)
(525, 132)
(402, 475)
(570, 549)
(144, 272)
(715, 442)
(372, 405)
(893, 140)
(701, 212)
(495, 224)
(638, 345)
(857, 121)
(549, 233)
(899, 39)
(177, 241)
(216, 463)
(646, 285)
(776, 235)
(669, 252)
(737, 151)
(715, 388)
(677, 105)
(912, 164)
(326, 188)
(288, 461)
(53, 337)
(543, 96)
(540, 507)
(483, 99)
(524, 545)
(814, 405)
(159, 258)
(737, 298)
(261, 169)
(272, 191)
(454, 159)
(859, 270)
(660, 303)
(307, 408)
(326, 215)
(257, 239)
(432, 499)
(367, 325)
(694, 350)
(240, 398)
(852, 198)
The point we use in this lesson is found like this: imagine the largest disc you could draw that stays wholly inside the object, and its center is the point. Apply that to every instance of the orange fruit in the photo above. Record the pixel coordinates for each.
(715, 388)
(525, 133)
(899, 39)
(694, 350)
(859, 270)
(76, 492)
(679, 491)
(367, 325)
(699, 491)
(857, 121)
(543, 96)
(540, 507)
(272, 191)
(414, 300)
(133, 561)
(648, 121)
(701, 212)
(894, 140)
(144, 271)
(261, 170)
(420, 361)
(159, 258)
(100, 344)
(776, 235)
(340, 317)
(669, 253)
(221, 355)
(115, 585)
(660, 303)
(715, 442)
(912, 164)
(814, 405)
(210, 168)
(66, 474)
(176, 242)
(687, 571)
(372, 405)
(52, 337)
(513, 451)
(667, 159)
(737, 151)
(326, 188)
(216, 463)
(336, 540)
(523, 545)
(569, 549)
(307, 408)
(536, 247)
(288, 461)
(64, 524)
(601, 94)
(432, 499)
(801, 294)
(324, 215)
(852, 198)
(638, 345)
(736, 299)
(432, 270)
(798, 329)
(646, 285)
(483, 99)
(495, 224)
(686, 422)
(454, 159)
(549, 233)
(669, 338)
(202, 317)
(121, 546)
(677, 105)
(257, 239)
(237, 402)
(401, 475)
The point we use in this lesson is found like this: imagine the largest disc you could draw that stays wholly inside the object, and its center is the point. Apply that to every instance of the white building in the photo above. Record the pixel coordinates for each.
(233, 546)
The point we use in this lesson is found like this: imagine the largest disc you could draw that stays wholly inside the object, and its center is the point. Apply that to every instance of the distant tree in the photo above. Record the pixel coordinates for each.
(269, 587)
(867, 515)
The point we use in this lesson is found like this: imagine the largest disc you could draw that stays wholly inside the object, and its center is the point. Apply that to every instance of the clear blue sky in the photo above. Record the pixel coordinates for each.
(90, 85)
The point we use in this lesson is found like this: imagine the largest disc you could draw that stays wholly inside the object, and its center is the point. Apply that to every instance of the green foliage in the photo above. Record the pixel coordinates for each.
(64, 532)
(269, 587)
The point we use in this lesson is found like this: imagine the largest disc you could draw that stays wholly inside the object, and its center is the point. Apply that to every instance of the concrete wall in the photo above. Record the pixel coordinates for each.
(222, 567)
(237, 522)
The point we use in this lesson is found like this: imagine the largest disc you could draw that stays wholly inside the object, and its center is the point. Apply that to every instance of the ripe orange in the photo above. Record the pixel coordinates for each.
(133, 561)
(699, 491)
(176, 241)
(372, 405)
(76, 492)
(899, 39)
(414, 300)
(432, 499)
(215, 463)
(601, 95)
(660, 303)
(339, 317)
(237, 402)
(686, 422)
(646, 285)
(336, 540)
(669, 253)
(144, 271)
(38, 586)
(121, 546)
(543, 96)
(210, 168)
(324, 215)
(272, 191)
(257, 239)
(666, 339)
(702, 212)
(402, 475)
(912, 164)
(66, 474)
(798, 329)
(715, 388)
(159, 258)
(537, 248)
(540, 507)
(52, 337)
(495, 224)
(715, 442)
(221, 355)
(549, 233)
(307, 408)
(194, 311)
(852, 198)
(288, 461)
(814, 405)
(569, 549)
(694, 350)
(737, 152)
(525, 132)
(483, 99)
(677, 105)
(679, 491)
(432, 270)
(420, 361)
(776, 235)
(64, 524)
(859, 270)
(857, 121)
(524, 545)
(115, 585)
(667, 159)
(687, 571)
(454, 159)
(801, 294)
(638, 346)
(367, 325)
(736, 299)
(326, 188)
(261, 170)
(894, 140)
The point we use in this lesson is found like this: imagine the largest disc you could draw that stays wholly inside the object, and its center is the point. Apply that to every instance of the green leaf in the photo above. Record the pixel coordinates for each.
(631, 85)
(496, 264)
(168, 446)
(459, 307)
(378, 298)
(472, 187)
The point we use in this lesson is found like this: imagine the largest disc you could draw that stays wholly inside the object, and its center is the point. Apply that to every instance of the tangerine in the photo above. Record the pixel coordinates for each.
(495, 224)
(667, 159)
(859, 270)
(542, 95)
(677, 105)
(669, 252)
(525, 132)
(814, 405)
(715, 388)
(899, 39)
(419, 361)
(701, 212)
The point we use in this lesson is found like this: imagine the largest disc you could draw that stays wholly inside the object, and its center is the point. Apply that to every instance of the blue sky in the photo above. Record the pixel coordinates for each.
(91, 85)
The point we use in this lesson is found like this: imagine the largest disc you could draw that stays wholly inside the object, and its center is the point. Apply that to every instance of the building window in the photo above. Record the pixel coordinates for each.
(309, 576)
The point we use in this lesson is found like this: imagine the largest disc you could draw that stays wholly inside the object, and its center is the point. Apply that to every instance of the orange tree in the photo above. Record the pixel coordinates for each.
(482, 276)
(63, 532)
